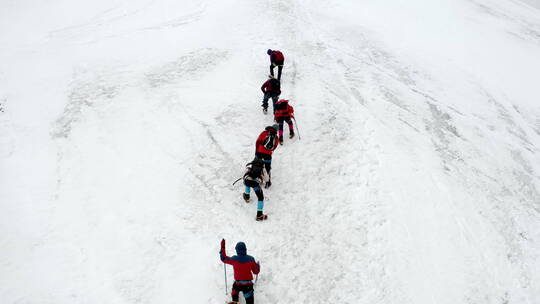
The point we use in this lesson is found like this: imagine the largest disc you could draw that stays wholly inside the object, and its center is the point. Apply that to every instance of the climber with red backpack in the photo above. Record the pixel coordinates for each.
(276, 59)
(283, 112)
(265, 145)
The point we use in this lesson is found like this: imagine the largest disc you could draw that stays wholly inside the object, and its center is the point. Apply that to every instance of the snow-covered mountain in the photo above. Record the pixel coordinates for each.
(124, 123)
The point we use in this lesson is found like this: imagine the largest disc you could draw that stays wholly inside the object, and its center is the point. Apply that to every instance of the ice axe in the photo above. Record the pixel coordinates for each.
(236, 181)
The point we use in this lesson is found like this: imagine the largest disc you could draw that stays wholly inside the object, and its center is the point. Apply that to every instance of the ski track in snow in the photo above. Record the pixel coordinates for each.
(117, 17)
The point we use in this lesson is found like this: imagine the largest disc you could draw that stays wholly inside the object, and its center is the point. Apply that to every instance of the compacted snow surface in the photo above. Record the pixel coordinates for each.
(124, 123)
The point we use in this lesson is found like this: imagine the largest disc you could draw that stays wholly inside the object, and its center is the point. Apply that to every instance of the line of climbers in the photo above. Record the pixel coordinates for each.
(258, 174)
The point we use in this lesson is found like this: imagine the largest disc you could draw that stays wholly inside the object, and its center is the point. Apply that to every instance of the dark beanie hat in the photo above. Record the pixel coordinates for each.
(241, 248)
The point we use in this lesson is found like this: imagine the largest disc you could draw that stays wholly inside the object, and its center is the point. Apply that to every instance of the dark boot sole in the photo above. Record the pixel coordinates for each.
(261, 218)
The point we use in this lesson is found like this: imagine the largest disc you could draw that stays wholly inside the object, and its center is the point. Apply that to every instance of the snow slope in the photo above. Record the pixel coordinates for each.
(534, 3)
(416, 179)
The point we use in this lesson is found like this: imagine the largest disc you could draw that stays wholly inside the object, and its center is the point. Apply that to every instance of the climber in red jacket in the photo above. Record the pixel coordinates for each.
(244, 267)
(271, 89)
(276, 59)
(265, 145)
(283, 113)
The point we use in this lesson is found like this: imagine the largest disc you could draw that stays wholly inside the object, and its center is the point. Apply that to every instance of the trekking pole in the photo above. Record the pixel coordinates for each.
(225, 271)
(296, 124)
(256, 277)
(236, 181)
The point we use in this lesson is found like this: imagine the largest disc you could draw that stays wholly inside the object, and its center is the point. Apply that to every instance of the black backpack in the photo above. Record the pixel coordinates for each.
(257, 166)
(275, 85)
(270, 141)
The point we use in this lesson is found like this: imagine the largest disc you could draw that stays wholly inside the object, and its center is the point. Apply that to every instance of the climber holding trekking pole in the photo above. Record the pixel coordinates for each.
(244, 267)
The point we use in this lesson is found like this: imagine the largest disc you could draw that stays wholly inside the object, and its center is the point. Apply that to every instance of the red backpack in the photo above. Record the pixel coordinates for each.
(283, 109)
(278, 56)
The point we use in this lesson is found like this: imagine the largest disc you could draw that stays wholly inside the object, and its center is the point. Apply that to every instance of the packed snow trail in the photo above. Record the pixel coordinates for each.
(416, 179)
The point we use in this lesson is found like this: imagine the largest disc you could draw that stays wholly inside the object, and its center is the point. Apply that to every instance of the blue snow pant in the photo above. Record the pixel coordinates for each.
(267, 96)
(258, 191)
